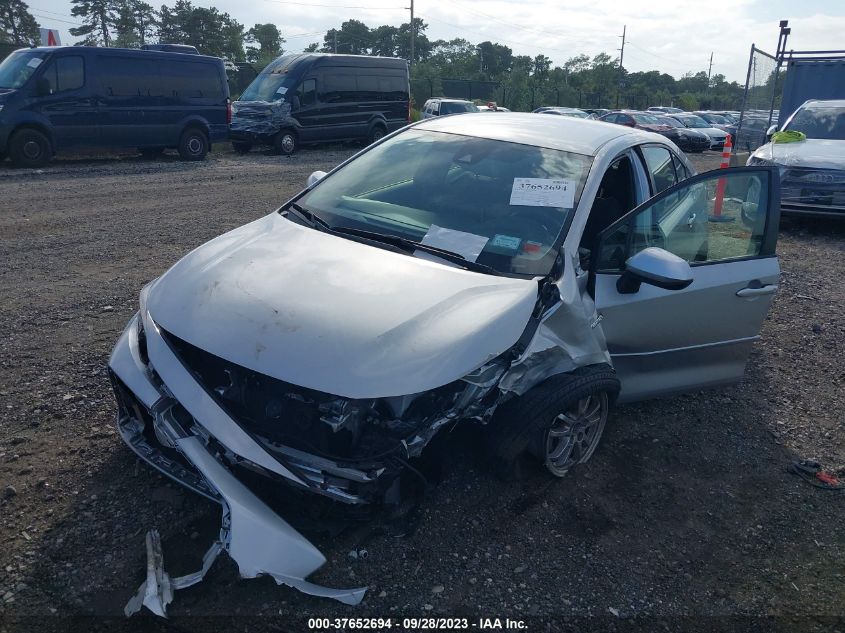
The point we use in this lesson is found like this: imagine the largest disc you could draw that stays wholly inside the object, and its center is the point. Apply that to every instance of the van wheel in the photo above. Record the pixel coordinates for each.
(376, 134)
(29, 148)
(241, 148)
(151, 152)
(557, 424)
(193, 145)
(285, 143)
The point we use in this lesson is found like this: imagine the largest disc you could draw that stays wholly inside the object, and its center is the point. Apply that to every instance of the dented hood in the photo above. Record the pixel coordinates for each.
(335, 315)
(812, 153)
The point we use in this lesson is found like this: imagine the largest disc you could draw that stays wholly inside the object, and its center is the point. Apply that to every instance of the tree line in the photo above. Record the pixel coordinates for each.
(521, 81)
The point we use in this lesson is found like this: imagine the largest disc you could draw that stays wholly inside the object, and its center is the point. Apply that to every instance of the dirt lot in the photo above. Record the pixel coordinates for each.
(685, 517)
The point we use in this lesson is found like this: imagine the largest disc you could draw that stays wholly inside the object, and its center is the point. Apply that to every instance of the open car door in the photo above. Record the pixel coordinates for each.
(683, 282)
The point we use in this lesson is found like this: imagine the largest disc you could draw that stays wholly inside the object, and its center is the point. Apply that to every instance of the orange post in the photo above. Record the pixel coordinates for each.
(720, 186)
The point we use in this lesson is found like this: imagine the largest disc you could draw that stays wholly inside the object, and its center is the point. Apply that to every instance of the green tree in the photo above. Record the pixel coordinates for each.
(496, 58)
(269, 41)
(313, 47)
(98, 18)
(353, 38)
(383, 40)
(422, 45)
(136, 24)
(17, 25)
(212, 32)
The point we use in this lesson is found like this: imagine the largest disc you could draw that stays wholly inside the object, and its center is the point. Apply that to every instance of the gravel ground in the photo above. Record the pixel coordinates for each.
(686, 515)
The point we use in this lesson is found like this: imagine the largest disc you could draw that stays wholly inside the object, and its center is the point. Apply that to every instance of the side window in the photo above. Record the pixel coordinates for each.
(435, 108)
(191, 80)
(65, 73)
(680, 169)
(309, 92)
(659, 164)
(337, 88)
(128, 76)
(716, 218)
(611, 118)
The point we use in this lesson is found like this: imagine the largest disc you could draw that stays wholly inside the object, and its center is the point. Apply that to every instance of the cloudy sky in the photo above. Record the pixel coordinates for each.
(674, 37)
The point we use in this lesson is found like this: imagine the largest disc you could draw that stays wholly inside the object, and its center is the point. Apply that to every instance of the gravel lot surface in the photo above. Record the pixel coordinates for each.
(685, 516)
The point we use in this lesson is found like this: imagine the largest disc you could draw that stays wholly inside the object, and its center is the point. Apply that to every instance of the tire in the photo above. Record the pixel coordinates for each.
(285, 142)
(376, 134)
(151, 152)
(193, 144)
(30, 148)
(240, 147)
(524, 430)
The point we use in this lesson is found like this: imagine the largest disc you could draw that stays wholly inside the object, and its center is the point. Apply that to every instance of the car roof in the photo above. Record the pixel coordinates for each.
(450, 100)
(581, 136)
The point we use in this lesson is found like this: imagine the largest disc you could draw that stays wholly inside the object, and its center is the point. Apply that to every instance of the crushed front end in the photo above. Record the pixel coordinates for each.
(232, 434)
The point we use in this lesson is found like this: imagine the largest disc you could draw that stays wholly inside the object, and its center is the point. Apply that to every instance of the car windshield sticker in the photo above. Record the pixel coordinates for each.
(532, 247)
(543, 192)
(281, 90)
(507, 242)
(35, 62)
(467, 245)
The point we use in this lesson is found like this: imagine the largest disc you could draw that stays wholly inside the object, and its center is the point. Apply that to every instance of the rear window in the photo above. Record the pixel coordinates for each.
(449, 107)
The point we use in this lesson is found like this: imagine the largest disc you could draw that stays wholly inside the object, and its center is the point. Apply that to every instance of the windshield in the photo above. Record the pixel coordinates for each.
(646, 119)
(667, 120)
(18, 67)
(509, 200)
(714, 118)
(451, 107)
(822, 122)
(268, 86)
(693, 121)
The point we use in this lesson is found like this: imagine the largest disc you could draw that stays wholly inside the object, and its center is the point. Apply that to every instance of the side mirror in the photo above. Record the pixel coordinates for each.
(771, 131)
(656, 267)
(314, 178)
(42, 87)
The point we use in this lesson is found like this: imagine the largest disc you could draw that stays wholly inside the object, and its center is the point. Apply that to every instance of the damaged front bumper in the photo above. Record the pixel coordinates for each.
(159, 423)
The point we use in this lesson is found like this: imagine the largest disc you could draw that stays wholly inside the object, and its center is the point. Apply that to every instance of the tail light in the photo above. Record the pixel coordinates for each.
(228, 111)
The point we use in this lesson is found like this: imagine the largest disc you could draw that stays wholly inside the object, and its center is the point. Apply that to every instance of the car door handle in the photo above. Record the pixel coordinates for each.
(750, 291)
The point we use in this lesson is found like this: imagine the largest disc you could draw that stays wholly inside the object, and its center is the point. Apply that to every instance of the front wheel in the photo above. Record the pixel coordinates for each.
(285, 143)
(29, 148)
(193, 145)
(556, 424)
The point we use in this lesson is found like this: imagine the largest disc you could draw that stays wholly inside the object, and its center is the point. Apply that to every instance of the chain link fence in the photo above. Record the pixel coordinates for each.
(763, 89)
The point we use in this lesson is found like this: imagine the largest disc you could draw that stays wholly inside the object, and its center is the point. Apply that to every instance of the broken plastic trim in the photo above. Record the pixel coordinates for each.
(255, 537)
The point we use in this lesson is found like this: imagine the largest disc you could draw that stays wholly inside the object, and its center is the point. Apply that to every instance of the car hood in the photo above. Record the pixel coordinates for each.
(813, 153)
(337, 316)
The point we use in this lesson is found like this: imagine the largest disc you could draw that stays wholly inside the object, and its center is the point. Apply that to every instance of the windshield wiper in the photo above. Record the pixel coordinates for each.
(409, 245)
(309, 216)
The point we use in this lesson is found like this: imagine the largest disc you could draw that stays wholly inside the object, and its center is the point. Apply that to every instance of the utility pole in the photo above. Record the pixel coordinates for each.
(709, 68)
(621, 56)
(480, 59)
(335, 41)
(412, 31)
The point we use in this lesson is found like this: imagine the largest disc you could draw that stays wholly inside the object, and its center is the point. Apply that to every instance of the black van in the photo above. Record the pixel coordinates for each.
(314, 97)
(55, 98)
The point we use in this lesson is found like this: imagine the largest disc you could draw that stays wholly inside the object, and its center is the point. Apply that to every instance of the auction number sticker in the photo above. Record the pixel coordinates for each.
(543, 192)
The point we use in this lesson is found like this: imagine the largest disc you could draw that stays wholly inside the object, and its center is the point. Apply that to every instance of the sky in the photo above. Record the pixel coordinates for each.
(673, 37)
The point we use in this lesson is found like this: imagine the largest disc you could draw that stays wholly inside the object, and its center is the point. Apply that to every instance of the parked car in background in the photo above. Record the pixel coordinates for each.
(692, 121)
(56, 98)
(492, 108)
(441, 106)
(751, 134)
(686, 138)
(719, 122)
(563, 111)
(665, 109)
(596, 112)
(640, 120)
(314, 97)
(434, 280)
(812, 171)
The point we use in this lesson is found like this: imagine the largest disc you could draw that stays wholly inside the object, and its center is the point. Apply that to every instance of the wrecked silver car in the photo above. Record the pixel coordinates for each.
(522, 273)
